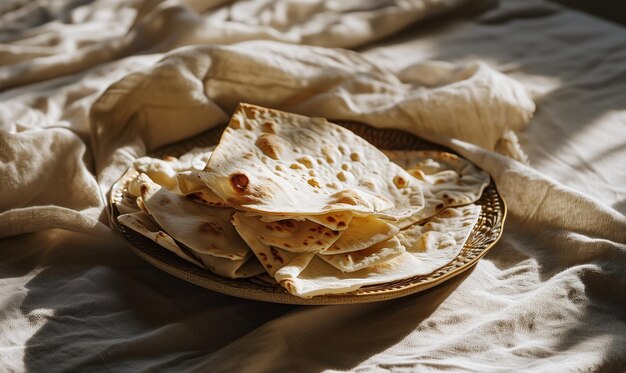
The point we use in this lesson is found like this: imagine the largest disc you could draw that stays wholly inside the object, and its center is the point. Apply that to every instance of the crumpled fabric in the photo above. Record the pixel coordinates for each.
(88, 86)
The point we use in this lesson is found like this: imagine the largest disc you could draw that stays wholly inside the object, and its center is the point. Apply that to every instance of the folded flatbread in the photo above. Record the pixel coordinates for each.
(273, 163)
(141, 223)
(363, 232)
(164, 171)
(446, 179)
(428, 247)
(204, 229)
(291, 235)
(370, 256)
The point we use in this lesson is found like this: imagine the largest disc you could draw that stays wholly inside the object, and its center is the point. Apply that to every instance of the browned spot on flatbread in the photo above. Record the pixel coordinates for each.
(239, 182)
(355, 157)
(399, 181)
(287, 223)
(331, 219)
(348, 197)
(340, 225)
(276, 255)
(211, 227)
(313, 183)
(268, 127)
(269, 145)
(235, 123)
(306, 161)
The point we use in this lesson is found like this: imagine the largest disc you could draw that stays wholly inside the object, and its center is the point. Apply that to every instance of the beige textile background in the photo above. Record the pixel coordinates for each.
(89, 86)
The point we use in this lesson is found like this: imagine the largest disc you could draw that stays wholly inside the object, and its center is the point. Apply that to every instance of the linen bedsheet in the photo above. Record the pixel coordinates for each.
(532, 92)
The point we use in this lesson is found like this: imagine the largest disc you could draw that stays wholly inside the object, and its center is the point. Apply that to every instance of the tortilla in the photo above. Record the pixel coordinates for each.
(336, 221)
(291, 235)
(141, 223)
(447, 180)
(272, 258)
(373, 255)
(127, 204)
(363, 232)
(164, 171)
(190, 186)
(204, 229)
(445, 235)
(274, 163)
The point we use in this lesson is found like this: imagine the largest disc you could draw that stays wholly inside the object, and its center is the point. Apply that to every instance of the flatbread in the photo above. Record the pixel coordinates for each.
(363, 232)
(272, 258)
(336, 221)
(447, 180)
(291, 235)
(133, 185)
(141, 223)
(436, 242)
(373, 255)
(164, 171)
(275, 163)
(204, 229)
(127, 204)
(445, 234)
(190, 186)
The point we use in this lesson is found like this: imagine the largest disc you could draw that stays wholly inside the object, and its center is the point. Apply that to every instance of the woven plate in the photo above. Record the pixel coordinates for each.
(484, 235)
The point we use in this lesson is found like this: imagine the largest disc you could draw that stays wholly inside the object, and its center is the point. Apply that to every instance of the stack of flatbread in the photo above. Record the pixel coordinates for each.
(307, 202)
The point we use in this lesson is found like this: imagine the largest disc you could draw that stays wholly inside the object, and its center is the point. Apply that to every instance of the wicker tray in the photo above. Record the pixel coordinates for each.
(484, 235)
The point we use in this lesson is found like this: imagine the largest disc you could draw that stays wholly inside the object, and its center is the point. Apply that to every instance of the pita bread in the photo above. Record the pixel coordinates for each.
(447, 180)
(362, 233)
(292, 235)
(273, 163)
(204, 229)
(450, 229)
(373, 255)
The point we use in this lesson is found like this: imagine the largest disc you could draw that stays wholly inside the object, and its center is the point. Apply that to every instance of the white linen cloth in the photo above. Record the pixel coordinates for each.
(89, 86)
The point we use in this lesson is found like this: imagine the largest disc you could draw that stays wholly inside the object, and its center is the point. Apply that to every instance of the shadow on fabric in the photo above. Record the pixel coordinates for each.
(110, 309)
